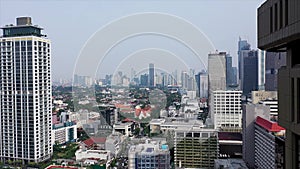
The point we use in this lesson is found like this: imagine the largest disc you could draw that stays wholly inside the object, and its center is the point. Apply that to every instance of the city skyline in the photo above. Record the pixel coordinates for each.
(64, 57)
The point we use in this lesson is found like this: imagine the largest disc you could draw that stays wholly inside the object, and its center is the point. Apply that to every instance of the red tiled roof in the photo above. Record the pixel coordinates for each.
(127, 120)
(94, 140)
(268, 125)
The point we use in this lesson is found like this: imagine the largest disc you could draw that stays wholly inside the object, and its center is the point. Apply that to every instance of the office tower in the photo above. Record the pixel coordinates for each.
(248, 62)
(175, 75)
(195, 147)
(249, 81)
(278, 31)
(132, 74)
(202, 84)
(243, 48)
(230, 77)
(250, 112)
(234, 71)
(261, 69)
(274, 61)
(144, 80)
(151, 155)
(184, 79)
(191, 83)
(217, 71)
(25, 97)
(151, 75)
(268, 144)
(226, 110)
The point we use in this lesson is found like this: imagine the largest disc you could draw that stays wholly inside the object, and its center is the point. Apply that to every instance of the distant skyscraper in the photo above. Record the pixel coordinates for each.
(202, 84)
(274, 61)
(151, 74)
(230, 74)
(234, 71)
(249, 80)
(243, 46)
(25, 98)
(251, 68)
(217, 71)
(184, 79)
(144, 80)
(261, 69)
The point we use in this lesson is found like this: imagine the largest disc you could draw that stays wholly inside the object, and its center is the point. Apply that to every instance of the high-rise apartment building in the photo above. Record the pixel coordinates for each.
(225, 109)
(151, 74)
(217, 71)
(25, 98)
(278, 31)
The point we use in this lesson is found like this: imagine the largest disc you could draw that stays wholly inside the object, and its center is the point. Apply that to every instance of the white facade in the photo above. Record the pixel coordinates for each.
(64, 134)
(92, 154)
(124, 128)
(225, 108)
(151, 155)
(25, 98)
(273, 104)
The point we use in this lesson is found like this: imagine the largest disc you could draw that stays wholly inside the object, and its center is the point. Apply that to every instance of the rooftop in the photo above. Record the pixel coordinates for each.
(268, 125)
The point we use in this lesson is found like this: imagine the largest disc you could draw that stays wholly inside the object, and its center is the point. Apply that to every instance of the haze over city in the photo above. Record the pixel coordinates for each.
(70, 24)
(150, 84)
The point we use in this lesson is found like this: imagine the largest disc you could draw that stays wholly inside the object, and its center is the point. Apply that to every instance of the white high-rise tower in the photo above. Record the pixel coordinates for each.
(25, 93)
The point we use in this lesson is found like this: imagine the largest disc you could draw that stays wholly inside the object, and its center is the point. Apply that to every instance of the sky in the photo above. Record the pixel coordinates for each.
(71, 23)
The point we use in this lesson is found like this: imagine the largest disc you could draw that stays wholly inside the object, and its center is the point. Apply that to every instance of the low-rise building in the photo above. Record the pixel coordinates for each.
(151, 155)
(113, 143)
(230, 164)
(124, 128)
(64, 132)
(195, 147)
(83, 154)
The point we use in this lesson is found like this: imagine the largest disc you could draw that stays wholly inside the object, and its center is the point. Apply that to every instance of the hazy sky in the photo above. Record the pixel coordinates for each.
(70, 23)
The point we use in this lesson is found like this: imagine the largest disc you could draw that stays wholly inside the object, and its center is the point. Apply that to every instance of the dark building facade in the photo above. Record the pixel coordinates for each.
(144, 80)
(274, 61)
(279, 31)
(151, 74)
(230, 77)
(250, 72)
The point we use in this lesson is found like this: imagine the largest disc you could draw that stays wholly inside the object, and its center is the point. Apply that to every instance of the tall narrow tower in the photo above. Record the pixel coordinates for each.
(151, 75)
(25, 97)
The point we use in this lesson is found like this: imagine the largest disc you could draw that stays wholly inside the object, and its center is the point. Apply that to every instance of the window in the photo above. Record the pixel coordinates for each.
(276, 17)
(271, 19)
(286, 12)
